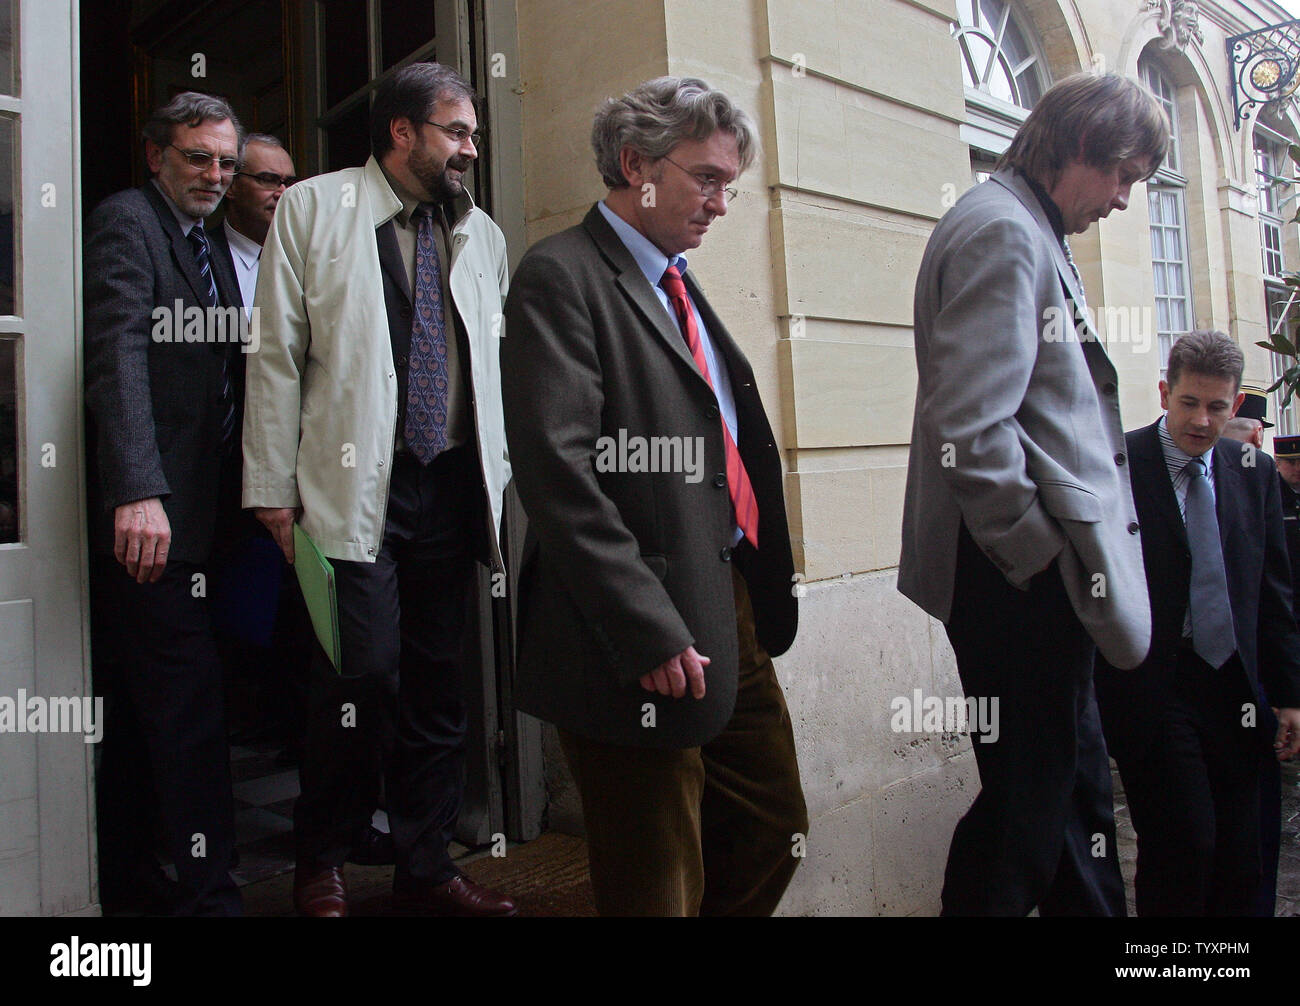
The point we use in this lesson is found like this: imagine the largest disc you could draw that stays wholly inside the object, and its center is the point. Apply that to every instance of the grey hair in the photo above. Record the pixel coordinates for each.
(190, 108)
(265, 139)
(655, 116)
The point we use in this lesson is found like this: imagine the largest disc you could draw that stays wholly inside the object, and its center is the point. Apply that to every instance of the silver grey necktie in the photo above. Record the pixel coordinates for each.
(1212, 633)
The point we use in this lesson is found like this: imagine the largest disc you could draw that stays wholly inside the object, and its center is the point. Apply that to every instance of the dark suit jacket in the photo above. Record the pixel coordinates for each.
(154, 410)
(623, 570)
(1259, 585)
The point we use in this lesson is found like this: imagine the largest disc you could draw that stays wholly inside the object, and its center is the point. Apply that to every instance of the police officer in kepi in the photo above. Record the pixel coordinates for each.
(1287, 452)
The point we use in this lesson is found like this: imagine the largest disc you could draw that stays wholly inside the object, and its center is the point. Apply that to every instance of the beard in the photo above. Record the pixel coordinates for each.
(432, 174)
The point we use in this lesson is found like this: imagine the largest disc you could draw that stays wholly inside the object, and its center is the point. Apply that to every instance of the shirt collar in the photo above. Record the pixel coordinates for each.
(409, 202)
(650, 259)
(245, 247)
(1175, 456)
(184, 219)
(1049, 206)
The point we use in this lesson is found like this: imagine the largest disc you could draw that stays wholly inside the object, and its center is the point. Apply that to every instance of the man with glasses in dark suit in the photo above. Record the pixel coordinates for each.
(163, 386)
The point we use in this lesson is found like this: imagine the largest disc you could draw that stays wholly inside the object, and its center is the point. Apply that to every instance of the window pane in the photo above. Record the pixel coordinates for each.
(8, 234)
(346, 68)
(1000, 82)
(404, 26)
(1157, 244)
(348, 139)
(8, 64)
(8, 440)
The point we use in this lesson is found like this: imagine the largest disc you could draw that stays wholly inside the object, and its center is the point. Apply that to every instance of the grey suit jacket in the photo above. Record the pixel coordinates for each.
(624, 569)
(1017, 427)
(153, 405)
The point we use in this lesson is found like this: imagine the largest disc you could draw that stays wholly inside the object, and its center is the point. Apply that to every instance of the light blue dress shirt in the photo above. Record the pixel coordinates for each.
(654, 264)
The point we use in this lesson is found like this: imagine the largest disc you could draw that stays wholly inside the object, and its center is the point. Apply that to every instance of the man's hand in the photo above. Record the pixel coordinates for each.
(1287, 741)
(670, 677)
(141, 537)
(279, 521)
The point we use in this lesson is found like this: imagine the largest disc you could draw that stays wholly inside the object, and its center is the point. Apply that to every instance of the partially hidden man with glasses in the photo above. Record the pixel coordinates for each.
(163, 389)
(373, 419)
(263, 177)
(654, 593)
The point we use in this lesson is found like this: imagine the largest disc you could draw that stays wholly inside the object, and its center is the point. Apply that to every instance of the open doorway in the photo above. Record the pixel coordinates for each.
(304, 70)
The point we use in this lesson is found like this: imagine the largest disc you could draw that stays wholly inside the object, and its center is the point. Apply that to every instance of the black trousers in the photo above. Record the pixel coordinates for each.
(1041, 832)
(400, 710)
(164, 745)
(1194, 796)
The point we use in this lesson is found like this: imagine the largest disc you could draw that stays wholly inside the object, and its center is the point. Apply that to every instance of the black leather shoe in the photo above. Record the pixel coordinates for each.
(459, 896)
(320, 894)
(373, 848)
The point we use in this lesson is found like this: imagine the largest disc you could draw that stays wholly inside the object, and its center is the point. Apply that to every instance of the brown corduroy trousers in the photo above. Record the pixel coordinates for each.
(711, 830)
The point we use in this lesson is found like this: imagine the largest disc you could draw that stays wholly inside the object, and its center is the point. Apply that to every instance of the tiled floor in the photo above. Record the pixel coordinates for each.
(1288, 871)
(264, 793)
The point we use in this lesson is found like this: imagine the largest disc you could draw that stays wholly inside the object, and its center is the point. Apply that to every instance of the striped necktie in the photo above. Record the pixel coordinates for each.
(198, 239)
(743, 502)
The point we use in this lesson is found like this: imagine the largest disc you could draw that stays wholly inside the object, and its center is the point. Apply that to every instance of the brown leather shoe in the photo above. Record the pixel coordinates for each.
(459, 896)
(320, 894)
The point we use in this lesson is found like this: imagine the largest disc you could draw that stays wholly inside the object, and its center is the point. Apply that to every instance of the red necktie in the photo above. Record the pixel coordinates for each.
(743, 503)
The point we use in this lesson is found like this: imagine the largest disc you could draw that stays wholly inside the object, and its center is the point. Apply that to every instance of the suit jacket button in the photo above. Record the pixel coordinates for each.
(720, 480)
(725, 554)
(1108, 388)
(401, 361)
(405, 311)
(1133, 527)
(712, 412)
(1119, 458)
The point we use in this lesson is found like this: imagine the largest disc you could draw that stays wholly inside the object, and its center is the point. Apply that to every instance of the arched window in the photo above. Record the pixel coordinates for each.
(1005, 74)
(998, 56)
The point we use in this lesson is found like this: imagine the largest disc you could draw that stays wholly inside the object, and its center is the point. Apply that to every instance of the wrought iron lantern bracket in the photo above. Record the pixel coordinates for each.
(1265, 67)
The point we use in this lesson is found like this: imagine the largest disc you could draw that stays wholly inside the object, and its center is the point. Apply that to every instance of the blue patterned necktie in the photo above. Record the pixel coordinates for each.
(1213, 637)
(198, 240)
(427, 385)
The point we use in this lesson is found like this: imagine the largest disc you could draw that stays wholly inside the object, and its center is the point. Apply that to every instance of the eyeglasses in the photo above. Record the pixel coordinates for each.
(202, 160)
(709, 186)
(459, 133)
(269, 179)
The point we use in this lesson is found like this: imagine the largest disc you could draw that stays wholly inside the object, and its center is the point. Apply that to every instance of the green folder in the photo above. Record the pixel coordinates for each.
(316, 578)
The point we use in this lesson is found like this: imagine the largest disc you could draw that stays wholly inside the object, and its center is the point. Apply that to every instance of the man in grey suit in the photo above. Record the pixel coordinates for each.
(656, 581)
(1019, 530)
(163, 386)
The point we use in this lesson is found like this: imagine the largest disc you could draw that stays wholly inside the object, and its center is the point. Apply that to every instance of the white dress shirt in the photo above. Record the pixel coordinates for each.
(247, 253)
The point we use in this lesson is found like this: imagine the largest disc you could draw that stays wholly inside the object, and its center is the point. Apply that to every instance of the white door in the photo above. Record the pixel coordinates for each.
(46, 804)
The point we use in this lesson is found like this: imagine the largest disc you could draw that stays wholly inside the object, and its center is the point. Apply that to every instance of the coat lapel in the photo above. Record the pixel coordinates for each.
(182, 253)
(1228, 476)
(390, 258)
(632, 282)
(1020, 188)
(1150, 476)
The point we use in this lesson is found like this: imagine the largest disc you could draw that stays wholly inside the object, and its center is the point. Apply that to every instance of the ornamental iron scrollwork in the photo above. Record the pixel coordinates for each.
(1264, 67)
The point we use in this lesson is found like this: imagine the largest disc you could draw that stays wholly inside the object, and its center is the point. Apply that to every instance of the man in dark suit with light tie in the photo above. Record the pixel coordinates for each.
(1018, 527)
(163, 387)
(654, 589)
(1185, 727)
